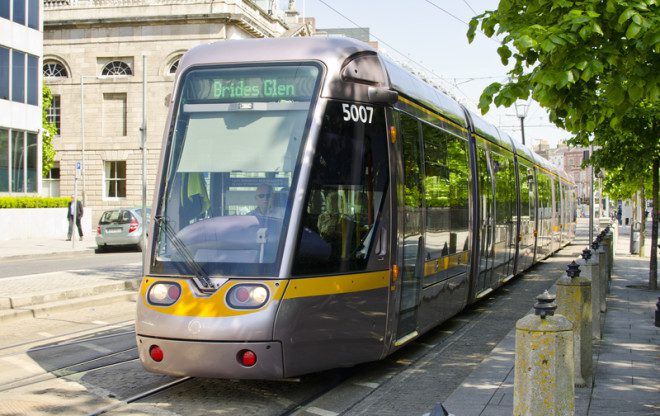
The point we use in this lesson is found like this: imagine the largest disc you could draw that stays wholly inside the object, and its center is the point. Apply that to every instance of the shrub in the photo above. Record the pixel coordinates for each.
(33, 202)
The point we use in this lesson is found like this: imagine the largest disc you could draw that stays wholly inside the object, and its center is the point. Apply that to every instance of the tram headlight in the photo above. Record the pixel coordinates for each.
(247, 296)
(164, 293)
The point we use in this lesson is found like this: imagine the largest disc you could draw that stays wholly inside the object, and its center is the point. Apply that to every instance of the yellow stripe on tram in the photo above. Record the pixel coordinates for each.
(334, 285)
(431, 113)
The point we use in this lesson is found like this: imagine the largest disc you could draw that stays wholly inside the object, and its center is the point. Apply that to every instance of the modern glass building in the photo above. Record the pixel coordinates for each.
(21, 49)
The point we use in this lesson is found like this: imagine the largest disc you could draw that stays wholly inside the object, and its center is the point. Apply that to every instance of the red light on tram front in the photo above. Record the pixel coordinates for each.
(247, 358)
(156, 353)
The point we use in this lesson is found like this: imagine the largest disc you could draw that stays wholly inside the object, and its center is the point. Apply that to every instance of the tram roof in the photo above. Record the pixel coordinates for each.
(333, 52)
(409, 84)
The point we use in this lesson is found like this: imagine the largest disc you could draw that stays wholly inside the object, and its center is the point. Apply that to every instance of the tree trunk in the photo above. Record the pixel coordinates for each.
(642, 220)
(655, 218)
(633, 219)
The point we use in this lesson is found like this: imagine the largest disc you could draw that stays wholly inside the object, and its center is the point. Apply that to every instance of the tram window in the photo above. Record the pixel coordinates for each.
(346, 189)
(459, 193)
(436, 193)
(234, 148)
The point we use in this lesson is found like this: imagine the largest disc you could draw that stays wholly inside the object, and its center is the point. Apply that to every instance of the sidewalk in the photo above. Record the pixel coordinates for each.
(40, 294)
(626, 378)
(24, 249)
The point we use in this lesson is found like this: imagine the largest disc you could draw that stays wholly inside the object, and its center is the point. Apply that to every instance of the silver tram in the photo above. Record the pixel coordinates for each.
(318, 206)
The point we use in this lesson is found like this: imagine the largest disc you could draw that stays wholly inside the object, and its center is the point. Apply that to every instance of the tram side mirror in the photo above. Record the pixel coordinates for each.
(380, 95)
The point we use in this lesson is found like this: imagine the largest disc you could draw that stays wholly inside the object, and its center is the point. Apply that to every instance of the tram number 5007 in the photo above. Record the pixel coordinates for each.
(357, 113)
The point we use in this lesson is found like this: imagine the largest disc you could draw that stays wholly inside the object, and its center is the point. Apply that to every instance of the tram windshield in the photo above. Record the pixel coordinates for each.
(230, 169)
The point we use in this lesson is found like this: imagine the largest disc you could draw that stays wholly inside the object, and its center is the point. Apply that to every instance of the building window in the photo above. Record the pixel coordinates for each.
(31, 162)
(18, 11)
(173, 66)
(4, 9)
(17, 76)
(32, 79)
(114, 114)
(116, 68)
(17, 162)
(51, 182)
(33, 14)
(115, 179)
(4, 160)
(54, 69)
(53, 115)
(4, 73)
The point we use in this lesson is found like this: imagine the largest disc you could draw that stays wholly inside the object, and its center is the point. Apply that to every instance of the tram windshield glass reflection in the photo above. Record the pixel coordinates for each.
(230, 168)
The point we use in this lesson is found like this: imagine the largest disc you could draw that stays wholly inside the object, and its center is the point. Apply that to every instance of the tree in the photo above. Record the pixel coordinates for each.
(49, 131)
(630, 154)
(585, 61)
(592, 64)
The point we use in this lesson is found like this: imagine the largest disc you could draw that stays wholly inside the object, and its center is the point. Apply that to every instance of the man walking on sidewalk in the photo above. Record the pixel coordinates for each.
(70, 214)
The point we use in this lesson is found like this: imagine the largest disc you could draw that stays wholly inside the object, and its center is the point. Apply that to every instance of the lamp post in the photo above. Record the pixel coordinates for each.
(521, 112)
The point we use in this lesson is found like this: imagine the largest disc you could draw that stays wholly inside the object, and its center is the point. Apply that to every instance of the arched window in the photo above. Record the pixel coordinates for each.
(116, 68)
(173, 66)
(54, 69)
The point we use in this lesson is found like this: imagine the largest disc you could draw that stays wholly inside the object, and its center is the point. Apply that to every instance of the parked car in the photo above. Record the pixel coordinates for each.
(121, 227)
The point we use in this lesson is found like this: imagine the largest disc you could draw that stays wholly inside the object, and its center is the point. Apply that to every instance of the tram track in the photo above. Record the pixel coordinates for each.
(70, 370)
(37, 343)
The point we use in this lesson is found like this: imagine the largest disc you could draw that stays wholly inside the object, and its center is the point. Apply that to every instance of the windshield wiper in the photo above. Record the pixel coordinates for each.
(200, 275)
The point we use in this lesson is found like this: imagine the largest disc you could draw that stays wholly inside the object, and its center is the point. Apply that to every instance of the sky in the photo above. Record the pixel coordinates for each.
(430, 35)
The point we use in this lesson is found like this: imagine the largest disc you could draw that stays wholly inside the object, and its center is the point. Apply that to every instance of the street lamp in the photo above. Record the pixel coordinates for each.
(82, 132)
(522, 107)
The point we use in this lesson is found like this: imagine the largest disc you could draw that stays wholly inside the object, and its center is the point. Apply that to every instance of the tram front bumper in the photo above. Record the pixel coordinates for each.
(211, 359)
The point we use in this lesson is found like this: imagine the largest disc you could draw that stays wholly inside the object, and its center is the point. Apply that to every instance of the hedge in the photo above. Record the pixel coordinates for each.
(34, 202)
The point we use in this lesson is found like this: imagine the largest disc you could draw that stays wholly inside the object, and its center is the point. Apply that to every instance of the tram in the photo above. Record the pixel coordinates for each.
(319, 206)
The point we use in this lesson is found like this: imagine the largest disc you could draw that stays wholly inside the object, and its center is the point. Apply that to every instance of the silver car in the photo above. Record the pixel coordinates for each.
(121, 227)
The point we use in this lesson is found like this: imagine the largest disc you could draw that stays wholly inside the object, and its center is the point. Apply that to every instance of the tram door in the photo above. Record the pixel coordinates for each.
(412, 244)
(486, 219)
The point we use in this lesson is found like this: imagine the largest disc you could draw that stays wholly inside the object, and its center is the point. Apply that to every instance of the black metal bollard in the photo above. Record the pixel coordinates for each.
(657, 313)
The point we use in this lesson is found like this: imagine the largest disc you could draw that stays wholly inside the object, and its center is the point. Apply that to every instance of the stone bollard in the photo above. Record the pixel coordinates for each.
(603, 283)
(590, 266)
(607, 245)
(544, 373)
(609, 239)
(574, 303)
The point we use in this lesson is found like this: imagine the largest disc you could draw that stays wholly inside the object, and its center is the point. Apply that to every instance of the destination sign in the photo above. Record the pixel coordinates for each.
(267, 83)
(240, 88)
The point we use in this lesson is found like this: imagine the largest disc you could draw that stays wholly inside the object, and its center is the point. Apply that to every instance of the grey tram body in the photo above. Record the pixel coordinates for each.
(298, 335)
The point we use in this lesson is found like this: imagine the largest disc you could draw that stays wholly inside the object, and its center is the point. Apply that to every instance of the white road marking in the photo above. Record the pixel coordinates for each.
(96, 348)
(99, 323)
(367, 384)
(45, 334)
(320, 412)
(25, 363)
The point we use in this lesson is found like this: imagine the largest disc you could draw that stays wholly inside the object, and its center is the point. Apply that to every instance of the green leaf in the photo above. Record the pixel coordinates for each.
(635, 92)
(633, 30)
(472, 28)
(505, 54)
(616, 94)
(627, 14)
(548, 46)
(597, 29)
(585, 32)
(611, 6)
(484, 102)
(524, 42)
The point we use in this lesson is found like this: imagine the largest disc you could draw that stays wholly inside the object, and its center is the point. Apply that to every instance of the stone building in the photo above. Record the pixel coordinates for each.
(93, 62)
(20, 97)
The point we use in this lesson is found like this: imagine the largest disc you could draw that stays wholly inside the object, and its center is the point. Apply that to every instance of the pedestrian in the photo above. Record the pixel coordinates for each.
(70, 214)
(618, 214)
